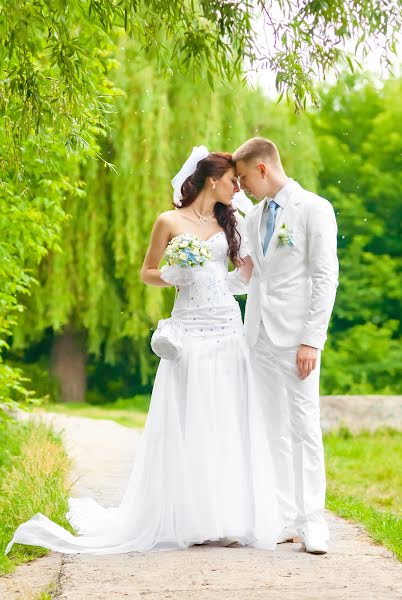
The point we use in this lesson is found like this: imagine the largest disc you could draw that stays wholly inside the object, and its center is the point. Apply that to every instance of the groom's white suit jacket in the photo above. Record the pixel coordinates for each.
(292, 288)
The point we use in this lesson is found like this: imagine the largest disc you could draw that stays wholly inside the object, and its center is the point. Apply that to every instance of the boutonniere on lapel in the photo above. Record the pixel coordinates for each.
(285, 236)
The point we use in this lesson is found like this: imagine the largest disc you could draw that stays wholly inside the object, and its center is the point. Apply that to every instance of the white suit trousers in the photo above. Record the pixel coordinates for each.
(292, 411)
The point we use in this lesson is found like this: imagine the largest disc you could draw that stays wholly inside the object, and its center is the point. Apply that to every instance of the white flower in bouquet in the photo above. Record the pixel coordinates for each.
(187, 250)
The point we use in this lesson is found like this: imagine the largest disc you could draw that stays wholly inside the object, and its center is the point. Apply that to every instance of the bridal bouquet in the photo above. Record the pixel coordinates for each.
(183, 255)
(187, 250)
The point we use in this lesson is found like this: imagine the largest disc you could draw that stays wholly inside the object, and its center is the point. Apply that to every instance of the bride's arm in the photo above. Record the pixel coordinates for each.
(168, 275)
(160, 236)
(238, 279)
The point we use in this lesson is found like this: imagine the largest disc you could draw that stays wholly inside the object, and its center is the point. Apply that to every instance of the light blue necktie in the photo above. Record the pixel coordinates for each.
(270, 225)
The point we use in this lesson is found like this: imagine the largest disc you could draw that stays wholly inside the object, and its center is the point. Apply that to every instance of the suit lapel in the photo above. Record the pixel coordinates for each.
(256, 224)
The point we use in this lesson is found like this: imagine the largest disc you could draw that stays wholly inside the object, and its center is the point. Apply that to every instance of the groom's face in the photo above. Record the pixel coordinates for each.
(252, 177)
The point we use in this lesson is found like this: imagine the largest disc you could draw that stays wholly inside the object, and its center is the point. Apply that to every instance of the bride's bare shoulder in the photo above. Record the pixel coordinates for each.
(168, 214)
(166, 222)
(168, 217)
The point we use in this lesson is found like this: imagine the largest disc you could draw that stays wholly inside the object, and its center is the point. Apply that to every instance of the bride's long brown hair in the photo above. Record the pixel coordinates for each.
(215, 165)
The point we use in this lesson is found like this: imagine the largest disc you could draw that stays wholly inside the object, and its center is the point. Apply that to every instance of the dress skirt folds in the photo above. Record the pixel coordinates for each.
(203, 470)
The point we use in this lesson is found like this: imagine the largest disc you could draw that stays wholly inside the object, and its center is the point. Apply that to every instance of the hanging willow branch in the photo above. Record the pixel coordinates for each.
(54, 55)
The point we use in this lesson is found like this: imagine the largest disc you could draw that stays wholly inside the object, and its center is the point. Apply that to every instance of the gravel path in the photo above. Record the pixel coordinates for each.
(103, 452)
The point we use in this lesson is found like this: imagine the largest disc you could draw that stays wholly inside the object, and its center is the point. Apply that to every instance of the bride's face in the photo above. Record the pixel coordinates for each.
(226, 187)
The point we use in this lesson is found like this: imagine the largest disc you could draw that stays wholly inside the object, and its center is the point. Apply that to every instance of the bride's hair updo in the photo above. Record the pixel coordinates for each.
(215, 165)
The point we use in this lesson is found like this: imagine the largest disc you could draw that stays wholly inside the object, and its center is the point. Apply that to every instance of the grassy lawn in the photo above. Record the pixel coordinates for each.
(131, 412)
(364, 479)
(33, 474)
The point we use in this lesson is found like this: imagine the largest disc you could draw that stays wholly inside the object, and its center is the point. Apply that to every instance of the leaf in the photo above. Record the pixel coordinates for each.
(210, 80)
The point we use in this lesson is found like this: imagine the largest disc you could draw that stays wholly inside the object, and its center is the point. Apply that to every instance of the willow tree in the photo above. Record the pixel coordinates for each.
(91, 291)
(54, 89)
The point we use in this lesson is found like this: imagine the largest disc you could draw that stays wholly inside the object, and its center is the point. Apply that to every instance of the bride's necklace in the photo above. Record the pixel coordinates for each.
(205, 221)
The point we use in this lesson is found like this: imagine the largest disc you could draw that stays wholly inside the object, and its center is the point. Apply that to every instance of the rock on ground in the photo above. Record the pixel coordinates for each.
(360, 413)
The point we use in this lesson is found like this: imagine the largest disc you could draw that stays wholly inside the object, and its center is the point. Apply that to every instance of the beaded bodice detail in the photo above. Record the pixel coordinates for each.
(210, 288)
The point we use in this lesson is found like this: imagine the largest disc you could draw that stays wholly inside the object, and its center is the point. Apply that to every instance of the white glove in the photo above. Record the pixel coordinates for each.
(237, 283)
(175, 275)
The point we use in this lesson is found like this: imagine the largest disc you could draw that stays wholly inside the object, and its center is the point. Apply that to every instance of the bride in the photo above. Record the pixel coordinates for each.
(203, 472)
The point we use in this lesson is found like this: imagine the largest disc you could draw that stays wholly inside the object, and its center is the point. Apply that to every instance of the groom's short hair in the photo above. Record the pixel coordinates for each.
(257, 147)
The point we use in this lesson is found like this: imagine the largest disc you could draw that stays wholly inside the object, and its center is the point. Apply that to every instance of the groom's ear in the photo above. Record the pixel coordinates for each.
(263, 169)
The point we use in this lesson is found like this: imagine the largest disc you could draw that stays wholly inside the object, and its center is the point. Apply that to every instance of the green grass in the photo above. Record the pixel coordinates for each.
(47, 593)
(364, 482)
(131, 412)
(33, 473)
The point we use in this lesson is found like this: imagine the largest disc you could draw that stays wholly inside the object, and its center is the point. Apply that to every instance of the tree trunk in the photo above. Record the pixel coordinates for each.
(68, 360)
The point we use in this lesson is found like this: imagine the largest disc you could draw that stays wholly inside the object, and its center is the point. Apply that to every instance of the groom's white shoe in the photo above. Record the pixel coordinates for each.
(288, 534)
(227, 541)
(313, 543)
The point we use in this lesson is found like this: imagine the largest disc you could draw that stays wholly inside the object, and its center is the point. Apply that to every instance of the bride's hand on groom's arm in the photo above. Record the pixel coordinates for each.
(306, 360)
(239, 279)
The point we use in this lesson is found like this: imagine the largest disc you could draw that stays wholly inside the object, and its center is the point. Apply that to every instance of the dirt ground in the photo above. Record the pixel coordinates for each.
(103, 453)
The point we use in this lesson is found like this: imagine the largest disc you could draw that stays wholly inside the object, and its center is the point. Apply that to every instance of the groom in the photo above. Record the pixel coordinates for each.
(292, 236)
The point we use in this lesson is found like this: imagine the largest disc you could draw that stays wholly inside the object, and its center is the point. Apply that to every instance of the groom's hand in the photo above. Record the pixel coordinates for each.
(306, 360)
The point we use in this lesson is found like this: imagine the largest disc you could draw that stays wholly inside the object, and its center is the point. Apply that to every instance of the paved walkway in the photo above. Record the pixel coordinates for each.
(103, 452)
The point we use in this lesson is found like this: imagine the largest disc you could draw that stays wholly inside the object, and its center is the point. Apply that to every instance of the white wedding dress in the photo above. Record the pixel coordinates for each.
(203, 471)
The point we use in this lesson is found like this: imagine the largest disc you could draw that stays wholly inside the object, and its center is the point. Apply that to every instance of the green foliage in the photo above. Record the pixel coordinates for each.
(53, 70)
(32, 205)
(54, 55)
(53, 65)
(358, 130)
(365, 359)
(309, 39)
